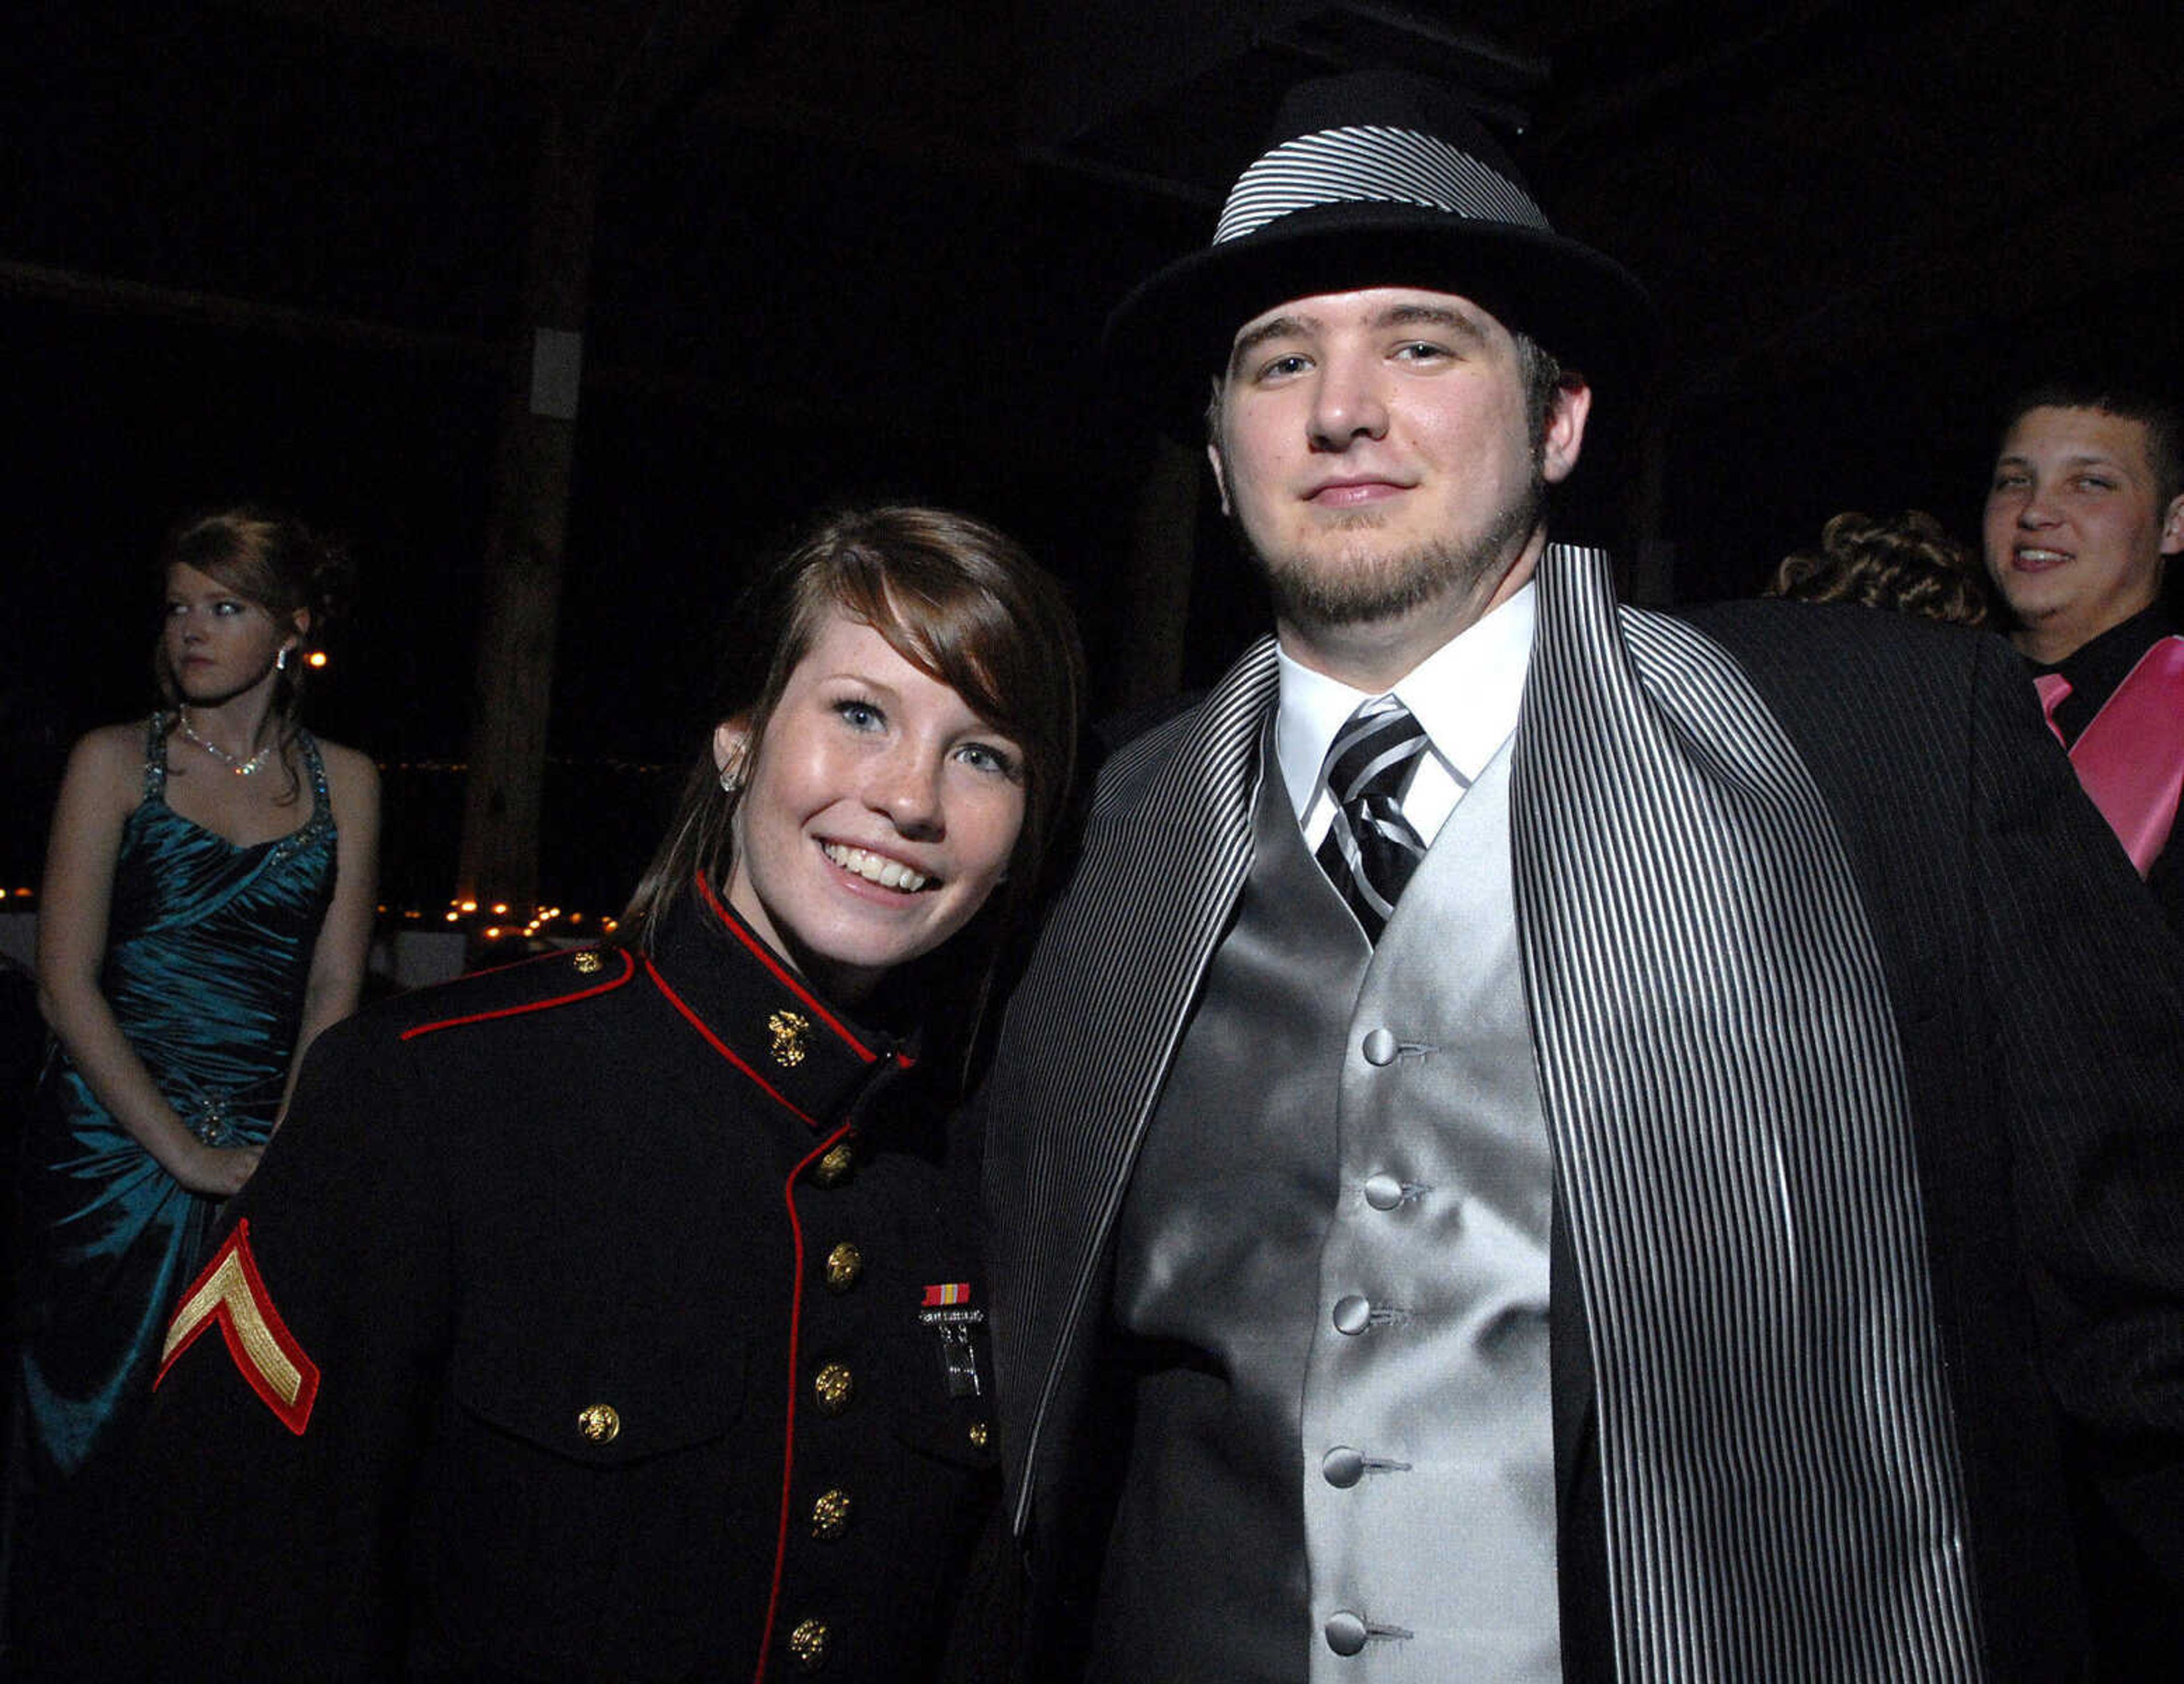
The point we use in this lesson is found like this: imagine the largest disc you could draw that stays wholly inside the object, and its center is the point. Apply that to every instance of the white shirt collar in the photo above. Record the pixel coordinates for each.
(1466, 694)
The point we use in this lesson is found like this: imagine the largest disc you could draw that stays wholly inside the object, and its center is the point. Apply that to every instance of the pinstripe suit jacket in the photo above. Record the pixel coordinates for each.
(2037, 1003)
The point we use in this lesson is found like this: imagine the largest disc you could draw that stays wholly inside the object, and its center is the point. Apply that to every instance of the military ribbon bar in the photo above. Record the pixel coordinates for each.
(231, 1295)
(954, 1292)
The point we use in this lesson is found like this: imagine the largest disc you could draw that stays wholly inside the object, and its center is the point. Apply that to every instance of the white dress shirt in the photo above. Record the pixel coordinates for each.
(1466, 694)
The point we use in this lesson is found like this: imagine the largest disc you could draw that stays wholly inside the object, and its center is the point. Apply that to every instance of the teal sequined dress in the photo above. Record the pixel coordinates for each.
(208, 949)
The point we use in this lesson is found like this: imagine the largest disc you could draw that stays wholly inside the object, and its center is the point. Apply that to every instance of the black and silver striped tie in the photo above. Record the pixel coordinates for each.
(1370, 850)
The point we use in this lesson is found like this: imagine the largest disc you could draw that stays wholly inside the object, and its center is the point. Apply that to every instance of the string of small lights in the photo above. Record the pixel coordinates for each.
(500, 922)
(482, 922)
(497, 922)
(600, 762)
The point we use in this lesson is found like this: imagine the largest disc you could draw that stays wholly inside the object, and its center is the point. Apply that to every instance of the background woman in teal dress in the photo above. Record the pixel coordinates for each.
(207, 910)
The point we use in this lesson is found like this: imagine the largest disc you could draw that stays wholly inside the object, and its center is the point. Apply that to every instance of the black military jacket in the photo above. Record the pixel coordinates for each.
(581, 1322)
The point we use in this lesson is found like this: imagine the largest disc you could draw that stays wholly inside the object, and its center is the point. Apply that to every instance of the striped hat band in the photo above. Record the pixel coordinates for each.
(1372, 164)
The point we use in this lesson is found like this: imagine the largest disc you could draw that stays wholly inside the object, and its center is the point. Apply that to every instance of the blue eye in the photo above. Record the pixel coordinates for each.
(860, 716)
(985, 757)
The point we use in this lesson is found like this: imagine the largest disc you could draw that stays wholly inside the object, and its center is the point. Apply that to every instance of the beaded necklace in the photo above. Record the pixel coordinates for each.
(234, 763)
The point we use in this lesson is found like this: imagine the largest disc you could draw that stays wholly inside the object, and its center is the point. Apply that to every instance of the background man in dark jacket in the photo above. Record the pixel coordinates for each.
(2085, 508)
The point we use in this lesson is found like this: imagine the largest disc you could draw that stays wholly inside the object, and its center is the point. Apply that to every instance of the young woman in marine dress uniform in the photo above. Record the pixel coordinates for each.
(614, 1315)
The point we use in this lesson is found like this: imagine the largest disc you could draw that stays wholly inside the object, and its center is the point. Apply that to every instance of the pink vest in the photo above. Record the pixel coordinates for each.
(2130, 757)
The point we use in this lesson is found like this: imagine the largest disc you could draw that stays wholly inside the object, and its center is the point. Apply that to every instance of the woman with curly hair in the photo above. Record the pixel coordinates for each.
(1908, 563)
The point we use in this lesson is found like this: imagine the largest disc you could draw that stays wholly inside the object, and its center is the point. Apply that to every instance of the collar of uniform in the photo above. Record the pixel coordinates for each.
(1466, 694)
(742, 997)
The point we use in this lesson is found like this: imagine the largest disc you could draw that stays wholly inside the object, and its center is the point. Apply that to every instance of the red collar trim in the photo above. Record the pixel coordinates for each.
(786, 976)
(727, 1051)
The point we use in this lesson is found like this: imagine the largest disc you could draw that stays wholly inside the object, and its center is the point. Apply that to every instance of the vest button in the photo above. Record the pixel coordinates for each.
(1380, 1047)
(1343, 1466)
(1345, 1632)
(1353, 1314)
(1383, 1192)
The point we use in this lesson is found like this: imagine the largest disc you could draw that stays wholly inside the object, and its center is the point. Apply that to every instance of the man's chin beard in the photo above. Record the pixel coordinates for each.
(1365, 586)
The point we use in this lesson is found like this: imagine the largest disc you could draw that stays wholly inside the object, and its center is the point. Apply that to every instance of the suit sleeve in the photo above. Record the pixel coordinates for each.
(2085, 989)
(282, 1443)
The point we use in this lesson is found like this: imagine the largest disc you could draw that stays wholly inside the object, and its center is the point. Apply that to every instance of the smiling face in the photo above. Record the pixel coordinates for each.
(880, 812)
(2075, 527)
(217, 643)
(1375, 448)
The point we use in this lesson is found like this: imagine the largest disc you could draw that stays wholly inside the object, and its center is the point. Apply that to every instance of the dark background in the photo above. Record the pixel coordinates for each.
(848, 248)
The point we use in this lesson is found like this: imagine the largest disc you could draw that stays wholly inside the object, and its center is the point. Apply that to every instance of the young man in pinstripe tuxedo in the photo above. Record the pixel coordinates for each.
(1546, 1141)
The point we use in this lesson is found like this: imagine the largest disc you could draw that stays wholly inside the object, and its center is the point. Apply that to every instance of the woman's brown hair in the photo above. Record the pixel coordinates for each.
(958, 600)
(274, 561)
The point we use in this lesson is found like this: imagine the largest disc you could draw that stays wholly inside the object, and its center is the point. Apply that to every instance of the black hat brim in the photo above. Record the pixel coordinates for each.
(1174, 329)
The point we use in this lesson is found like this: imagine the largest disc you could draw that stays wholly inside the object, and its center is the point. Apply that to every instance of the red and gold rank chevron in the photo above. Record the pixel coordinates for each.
(232, 1295)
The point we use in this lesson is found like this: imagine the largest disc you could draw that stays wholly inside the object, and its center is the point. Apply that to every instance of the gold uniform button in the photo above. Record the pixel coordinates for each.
(845, 1263)
(586, 962)
(830, 1513)
(599, 1424)
(980, 1432)
(832, 1387)
(807, 1645)
(834, 1168)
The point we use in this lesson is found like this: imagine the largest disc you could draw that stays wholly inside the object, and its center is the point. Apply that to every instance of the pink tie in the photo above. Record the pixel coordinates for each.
(2130, 757)
(2052, 688)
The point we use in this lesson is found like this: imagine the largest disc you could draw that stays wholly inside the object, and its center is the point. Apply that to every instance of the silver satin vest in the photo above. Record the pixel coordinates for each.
(1333, 1260)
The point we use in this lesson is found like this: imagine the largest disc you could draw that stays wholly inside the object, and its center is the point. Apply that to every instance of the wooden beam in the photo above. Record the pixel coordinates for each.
(527, 526)
(114, 296)
(1148, 660)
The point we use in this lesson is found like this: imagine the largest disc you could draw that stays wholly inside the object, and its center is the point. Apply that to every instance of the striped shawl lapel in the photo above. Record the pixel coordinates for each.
(1780, 1471)
(1093, 1028)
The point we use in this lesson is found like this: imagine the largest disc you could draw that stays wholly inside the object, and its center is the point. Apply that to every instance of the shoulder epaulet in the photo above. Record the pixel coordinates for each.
(539, 985)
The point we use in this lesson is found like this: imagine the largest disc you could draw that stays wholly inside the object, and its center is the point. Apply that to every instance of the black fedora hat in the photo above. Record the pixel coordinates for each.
(1383, 179)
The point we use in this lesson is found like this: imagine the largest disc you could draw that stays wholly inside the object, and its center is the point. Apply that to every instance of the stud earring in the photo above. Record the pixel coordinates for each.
(280, 661)
(732, 779)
